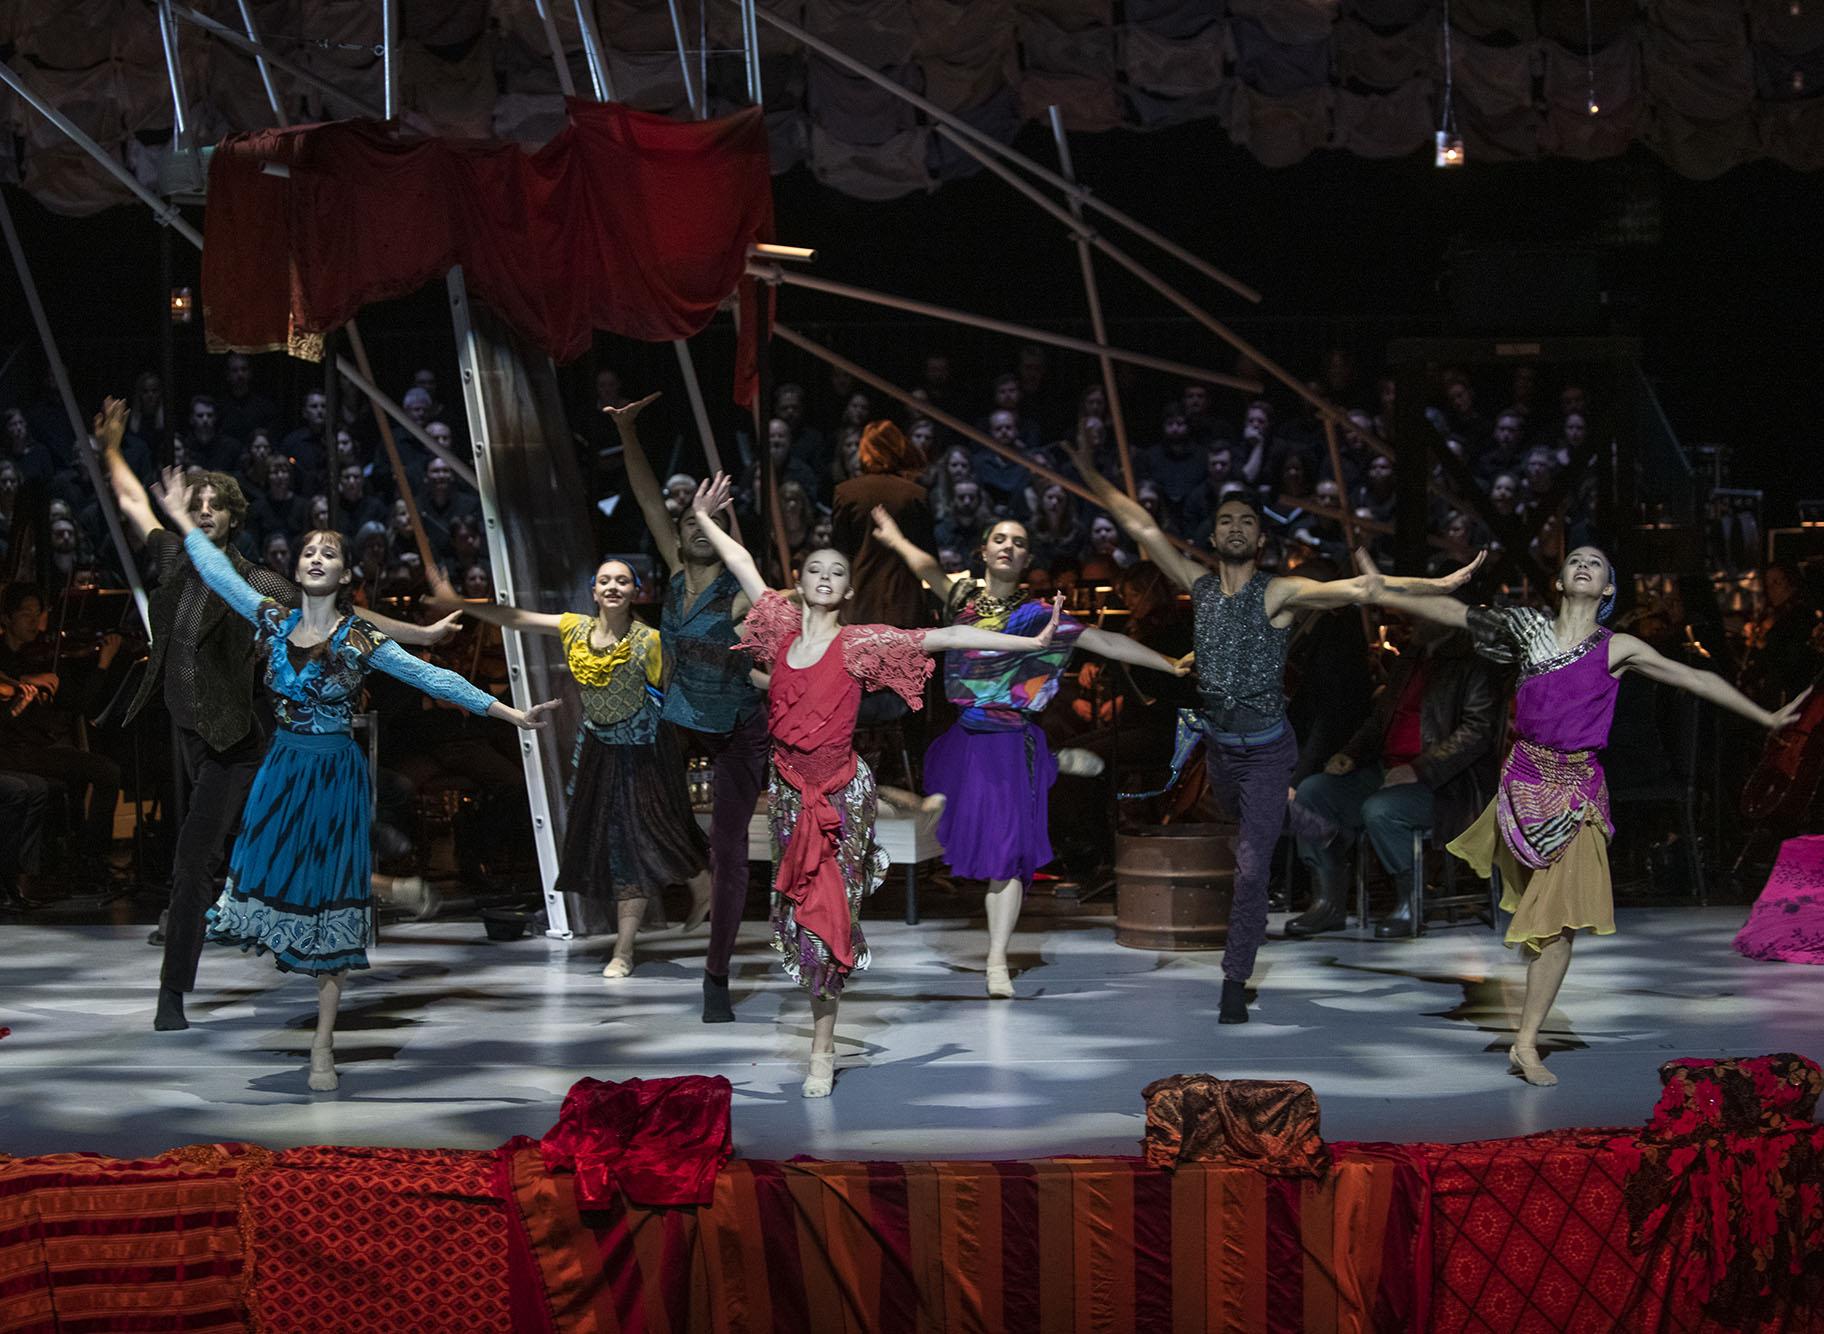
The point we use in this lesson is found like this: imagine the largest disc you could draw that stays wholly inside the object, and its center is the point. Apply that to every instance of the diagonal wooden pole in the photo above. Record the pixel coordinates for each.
(400, 480)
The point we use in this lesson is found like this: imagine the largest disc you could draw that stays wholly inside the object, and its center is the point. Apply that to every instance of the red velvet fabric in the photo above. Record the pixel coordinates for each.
(656, 1141)
(628, 222)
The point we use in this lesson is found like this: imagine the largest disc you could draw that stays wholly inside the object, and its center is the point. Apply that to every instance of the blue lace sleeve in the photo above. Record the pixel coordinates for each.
(219, 573)
(434, 681)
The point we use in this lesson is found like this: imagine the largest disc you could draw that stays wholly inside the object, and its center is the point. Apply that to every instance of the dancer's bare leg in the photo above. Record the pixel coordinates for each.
(1002, 904)
(322, 1047)
(629, 913)
(699, 901)
(823, 1049)
(904, 801)
(1544, 975)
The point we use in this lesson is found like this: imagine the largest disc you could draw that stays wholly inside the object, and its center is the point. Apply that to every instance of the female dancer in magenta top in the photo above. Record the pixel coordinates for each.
(630, 831)
(300, 880)
(822, 797)
(1547, 830)
(994, 767)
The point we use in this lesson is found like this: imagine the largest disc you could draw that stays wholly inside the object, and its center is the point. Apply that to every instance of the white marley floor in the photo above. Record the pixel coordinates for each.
(451, 1040)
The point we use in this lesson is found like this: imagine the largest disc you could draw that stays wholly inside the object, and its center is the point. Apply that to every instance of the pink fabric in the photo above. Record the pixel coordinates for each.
(1787, 923)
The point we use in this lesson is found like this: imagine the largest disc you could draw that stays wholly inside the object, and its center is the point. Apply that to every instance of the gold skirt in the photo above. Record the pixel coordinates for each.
(1574, 893)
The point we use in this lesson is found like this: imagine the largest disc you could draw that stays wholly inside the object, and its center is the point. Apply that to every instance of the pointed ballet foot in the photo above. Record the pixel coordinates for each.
(1234, 1007)
(1000, 983)
(1525, 1062)
(823, 1075)
(716, 1006)
(323, 1077)
(170, 1016)
(617, 967)
(698, 914)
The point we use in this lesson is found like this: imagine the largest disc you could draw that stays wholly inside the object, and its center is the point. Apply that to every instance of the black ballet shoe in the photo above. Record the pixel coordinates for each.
(716, 1007)
(1234, 1007)
(170, 1016)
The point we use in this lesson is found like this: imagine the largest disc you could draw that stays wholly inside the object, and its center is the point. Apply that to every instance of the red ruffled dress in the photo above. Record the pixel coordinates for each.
(825, 860)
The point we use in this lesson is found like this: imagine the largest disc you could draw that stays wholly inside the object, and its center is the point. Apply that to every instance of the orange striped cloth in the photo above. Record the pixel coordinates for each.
(1057, 1246)
(94, 1243)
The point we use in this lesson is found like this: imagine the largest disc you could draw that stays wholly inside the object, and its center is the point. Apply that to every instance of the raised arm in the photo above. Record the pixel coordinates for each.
(1136, 522)
(441, 683)
(135, 506)
(718, 494)
(1628, 654)
(1119, 648)
(443, 597)
(993, 641)
(917, 559)
(645, 483)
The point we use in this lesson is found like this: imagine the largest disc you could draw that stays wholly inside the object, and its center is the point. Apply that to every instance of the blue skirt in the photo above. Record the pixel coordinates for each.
(299, 883)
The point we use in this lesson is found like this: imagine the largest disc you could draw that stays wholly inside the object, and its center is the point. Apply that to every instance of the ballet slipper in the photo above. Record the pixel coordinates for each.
(1524, 1061)
(617, 967)
(323, 1077)
(1000, 984)
(823, 1075)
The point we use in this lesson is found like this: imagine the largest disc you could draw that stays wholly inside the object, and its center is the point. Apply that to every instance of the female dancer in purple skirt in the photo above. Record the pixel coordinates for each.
(993, 767)
(1547, 830)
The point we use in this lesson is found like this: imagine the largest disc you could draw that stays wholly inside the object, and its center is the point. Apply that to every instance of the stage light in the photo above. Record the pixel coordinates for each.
(1594, 109)
(1450, 150)
(183, 306)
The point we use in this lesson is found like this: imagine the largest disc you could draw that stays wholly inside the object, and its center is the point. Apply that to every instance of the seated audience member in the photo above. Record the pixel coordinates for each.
(1194, 398)
(1001, 475)
(956, 464)
(275, 554)
(1540, 474)
(205, 445)
(787, 467)
(242, 409)
(1199, 514)
(1571, 437)
(1459, 416)
(147, 427)
(1505, 451)
(969, 515)
(1256, 439)
(33, 460)
(39, 730)
(305, 443)
(1055, 531)
(1010, 397)
(1375, 498)
(468, 543)
(1177, 463)
(804, 442)
(1423, 759)
(279, 509)
(443, 501)
(1104, 544)
(677, 493)
(1504, 493)
(355, 506)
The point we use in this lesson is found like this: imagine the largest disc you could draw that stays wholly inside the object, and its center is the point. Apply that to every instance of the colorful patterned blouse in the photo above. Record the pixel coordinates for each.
(619, 685)
(994, 689)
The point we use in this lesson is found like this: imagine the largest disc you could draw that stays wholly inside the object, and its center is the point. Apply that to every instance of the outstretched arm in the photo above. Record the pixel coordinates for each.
(135, 507)
(917, 559)
(1136, 522)
(1119, 648)
(1291, 593)
(441, 683)
(645, 483)
(718, 494)
(410, 632)
(443, 597)
(1628, 654)
(993, 641)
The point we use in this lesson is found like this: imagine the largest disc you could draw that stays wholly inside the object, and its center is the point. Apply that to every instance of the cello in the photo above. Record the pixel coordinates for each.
(1782, 785)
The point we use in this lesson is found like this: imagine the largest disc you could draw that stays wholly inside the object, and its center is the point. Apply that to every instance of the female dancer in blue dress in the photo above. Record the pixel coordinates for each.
(994, 766)
(299, 880)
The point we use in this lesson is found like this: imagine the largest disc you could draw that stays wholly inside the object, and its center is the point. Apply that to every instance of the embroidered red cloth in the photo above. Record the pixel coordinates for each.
(626, 221)
(656, 1141)
(810, 874)
(1270, 1125)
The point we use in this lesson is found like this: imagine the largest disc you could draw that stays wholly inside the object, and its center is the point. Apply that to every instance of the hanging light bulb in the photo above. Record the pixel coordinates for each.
(1449, 150)
(1595, 110)
(1589, 57)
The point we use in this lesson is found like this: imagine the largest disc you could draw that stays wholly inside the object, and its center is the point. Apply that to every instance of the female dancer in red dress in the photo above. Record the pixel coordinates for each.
(821, 795)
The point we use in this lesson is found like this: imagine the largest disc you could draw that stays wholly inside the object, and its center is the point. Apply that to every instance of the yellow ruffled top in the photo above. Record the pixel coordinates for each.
(613, 681)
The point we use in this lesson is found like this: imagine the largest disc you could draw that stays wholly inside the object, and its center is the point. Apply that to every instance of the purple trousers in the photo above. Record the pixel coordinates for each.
(739, 758)
(1250, 782)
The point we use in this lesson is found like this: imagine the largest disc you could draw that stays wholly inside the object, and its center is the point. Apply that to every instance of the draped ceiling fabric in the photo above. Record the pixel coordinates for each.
(1706, 84)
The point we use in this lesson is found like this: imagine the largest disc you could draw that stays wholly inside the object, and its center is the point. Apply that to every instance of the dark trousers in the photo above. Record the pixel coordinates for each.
(218, 781)
(1354, 802)
(76, 770)
(25, 802)
(1251, 782)
(739, 758)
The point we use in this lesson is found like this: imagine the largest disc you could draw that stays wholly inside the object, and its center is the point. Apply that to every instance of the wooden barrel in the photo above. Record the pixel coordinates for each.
(1173, 887)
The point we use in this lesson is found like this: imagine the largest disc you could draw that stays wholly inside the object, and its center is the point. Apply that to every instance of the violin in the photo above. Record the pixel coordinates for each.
(1786, 779)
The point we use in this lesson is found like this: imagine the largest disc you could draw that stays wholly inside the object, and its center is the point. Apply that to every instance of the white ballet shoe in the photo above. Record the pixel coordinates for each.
(823, 1075)
(617, 967)
(323, 1077)
(1525, 1062)
(1000, 982)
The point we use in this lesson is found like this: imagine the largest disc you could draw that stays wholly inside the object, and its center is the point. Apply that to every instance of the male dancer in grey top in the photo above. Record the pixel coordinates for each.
(1244, 617)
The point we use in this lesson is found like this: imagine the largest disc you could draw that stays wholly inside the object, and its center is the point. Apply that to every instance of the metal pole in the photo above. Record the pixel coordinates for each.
(961, 427)
(104, 493)
(257, 51)
(1093, 295)
(167, 213)
(992, 145)
(272, 92)
(383, 401)
(167, 36)
(530, 743)
(389, 57)
(564, 81)
(594, 52)
(750, 45)
(772, 273)
(677, 32)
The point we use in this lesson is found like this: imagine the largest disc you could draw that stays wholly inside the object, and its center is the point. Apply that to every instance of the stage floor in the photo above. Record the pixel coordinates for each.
(451, 1040)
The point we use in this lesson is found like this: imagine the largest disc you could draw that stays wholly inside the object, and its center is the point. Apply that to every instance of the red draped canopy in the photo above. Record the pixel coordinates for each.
(628, 222)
